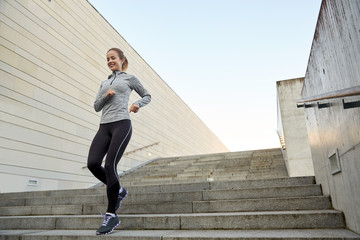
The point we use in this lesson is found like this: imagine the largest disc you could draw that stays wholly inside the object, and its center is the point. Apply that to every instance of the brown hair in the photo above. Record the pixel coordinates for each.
(121, 54)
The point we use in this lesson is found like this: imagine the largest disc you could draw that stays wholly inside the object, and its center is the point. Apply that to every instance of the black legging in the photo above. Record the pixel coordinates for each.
(111, 139)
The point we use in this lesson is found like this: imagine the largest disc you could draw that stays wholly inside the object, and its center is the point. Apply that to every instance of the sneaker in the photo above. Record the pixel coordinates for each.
(108, 224)
(121, 197)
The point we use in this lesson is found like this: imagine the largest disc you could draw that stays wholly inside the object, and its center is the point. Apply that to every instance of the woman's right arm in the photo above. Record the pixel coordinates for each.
(102, 98)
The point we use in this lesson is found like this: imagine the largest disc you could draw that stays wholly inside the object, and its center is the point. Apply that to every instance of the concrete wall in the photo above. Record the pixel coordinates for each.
(334, 65)
(292, 129)
(52, 61)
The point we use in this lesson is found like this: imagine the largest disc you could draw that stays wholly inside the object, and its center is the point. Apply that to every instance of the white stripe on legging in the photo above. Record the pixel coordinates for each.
(117, 175)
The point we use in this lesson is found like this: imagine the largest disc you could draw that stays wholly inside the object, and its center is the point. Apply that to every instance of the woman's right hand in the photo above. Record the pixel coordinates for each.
(109, 93)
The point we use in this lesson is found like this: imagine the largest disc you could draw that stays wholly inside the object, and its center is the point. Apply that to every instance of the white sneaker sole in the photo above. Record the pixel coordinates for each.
(97, 233)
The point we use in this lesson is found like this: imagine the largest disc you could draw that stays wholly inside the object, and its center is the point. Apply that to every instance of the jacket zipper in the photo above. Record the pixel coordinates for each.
(115, 77)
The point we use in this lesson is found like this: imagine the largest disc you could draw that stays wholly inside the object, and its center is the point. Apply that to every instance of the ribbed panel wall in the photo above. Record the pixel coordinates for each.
(52, 61)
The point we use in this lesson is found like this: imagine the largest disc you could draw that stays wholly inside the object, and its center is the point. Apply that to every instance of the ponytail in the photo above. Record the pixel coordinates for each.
(121, 54)
(125, 64)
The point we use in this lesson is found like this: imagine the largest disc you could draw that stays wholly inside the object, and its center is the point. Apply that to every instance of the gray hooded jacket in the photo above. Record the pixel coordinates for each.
(115, 107)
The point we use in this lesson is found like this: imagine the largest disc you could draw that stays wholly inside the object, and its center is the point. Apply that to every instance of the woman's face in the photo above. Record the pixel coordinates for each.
(113, 61)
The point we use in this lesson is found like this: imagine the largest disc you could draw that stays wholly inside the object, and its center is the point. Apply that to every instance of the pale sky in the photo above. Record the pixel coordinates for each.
(222, 58)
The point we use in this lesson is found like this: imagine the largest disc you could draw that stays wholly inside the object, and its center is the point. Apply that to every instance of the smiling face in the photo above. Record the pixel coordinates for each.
(113, 61)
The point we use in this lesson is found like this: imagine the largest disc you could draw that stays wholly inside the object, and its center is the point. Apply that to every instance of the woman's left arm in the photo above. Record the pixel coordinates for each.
(143, 93)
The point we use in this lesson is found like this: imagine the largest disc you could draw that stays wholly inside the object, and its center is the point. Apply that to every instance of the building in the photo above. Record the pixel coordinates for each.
(331, 95)
(330, 101)
(292, 129)
(52, 61)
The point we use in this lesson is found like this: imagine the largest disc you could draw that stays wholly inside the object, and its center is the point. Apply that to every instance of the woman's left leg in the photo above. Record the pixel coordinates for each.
(121, 134)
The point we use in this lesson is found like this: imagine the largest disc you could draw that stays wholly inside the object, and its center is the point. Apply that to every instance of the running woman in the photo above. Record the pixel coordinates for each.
(114, 131)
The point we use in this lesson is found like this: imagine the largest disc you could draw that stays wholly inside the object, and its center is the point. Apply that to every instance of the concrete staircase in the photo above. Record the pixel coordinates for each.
(243, 195)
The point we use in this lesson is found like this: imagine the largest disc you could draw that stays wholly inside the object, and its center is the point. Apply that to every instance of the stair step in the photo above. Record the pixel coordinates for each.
(136, 198)
(245, 195)
(269, 192)
(172, 205)
(274, 182)
(310, 234)
(42, 210)
(316, 219)
(265, 204)
(146, 187)
(193, 165)
(145, 208)
(181, 187)
(275, 204)
(58, 193)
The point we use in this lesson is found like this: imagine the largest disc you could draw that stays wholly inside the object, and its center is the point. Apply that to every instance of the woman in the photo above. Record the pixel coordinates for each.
(114, 132)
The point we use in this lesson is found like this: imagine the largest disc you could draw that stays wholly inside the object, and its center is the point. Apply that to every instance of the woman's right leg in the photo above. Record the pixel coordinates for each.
(98, 150)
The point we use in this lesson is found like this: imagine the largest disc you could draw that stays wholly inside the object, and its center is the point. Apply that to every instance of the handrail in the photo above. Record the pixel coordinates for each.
(138, 149)
(347, 92)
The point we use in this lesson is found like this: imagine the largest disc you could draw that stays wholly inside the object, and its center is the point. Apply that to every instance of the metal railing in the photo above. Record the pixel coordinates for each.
(135, 150)
(139, 149)
(315, 101)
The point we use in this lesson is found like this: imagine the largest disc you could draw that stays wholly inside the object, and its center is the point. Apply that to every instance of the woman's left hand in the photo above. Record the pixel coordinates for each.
(134, 108)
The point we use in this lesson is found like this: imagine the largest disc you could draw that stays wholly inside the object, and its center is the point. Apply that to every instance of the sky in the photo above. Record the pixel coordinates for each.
(222, 58)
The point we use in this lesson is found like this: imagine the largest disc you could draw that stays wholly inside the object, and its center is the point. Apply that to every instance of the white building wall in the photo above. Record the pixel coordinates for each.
(334, 66)
(52, 61)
